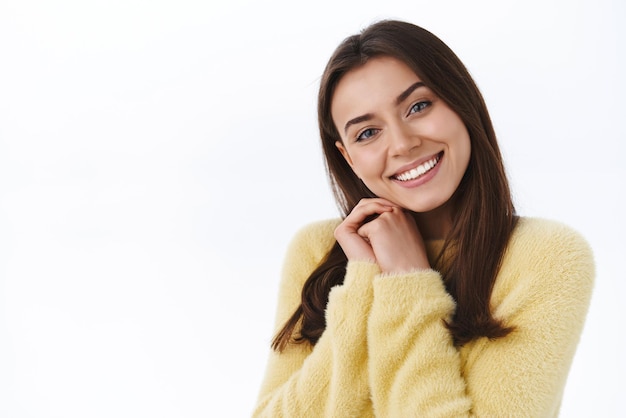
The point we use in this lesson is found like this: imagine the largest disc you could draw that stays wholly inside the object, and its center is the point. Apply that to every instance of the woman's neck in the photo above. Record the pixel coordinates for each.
(435, 224)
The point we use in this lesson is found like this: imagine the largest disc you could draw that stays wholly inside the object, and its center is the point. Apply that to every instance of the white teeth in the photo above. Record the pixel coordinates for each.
(419, 170)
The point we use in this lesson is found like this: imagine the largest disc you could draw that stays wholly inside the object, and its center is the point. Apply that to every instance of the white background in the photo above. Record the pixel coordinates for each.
(156, 157)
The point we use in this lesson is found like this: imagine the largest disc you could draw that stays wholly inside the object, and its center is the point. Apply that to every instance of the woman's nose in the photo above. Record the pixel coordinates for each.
(402, 139)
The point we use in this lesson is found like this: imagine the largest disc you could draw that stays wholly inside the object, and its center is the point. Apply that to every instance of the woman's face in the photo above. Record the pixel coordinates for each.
(402, 141)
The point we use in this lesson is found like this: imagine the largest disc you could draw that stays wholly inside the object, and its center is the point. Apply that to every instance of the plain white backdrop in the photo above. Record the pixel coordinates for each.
(156, 157)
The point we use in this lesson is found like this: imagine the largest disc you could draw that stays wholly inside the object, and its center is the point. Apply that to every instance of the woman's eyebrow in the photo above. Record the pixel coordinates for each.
(406, 93)
(356, 120)
(402, 97)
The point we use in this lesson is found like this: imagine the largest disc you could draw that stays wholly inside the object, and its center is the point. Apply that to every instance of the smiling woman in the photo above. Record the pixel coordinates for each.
(429, 296)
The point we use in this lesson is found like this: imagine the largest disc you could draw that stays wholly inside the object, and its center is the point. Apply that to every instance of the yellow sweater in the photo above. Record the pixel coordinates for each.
(387, 353)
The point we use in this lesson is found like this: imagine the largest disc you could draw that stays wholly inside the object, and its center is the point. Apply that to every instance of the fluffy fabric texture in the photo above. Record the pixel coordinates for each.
(387, 353)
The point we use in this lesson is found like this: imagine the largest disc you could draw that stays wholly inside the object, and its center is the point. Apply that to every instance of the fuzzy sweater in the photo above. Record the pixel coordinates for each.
(386, 352)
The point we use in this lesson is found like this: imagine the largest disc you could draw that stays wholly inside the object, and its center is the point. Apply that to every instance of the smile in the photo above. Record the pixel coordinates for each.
(420, 170)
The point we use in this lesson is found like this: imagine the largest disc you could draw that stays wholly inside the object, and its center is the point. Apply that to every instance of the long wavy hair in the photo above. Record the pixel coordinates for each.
(483, 211)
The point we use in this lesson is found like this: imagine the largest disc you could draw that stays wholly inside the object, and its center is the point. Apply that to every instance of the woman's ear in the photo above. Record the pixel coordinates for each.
(345, 154)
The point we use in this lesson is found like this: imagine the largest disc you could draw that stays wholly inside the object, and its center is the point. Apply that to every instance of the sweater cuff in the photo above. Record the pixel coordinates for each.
(354, 298)
(358, 272)
(419, 291)
(357, 282)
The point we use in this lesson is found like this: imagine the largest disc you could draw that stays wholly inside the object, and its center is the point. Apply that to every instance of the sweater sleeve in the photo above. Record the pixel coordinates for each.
(415, 370)
(543, 290)
(305, 382)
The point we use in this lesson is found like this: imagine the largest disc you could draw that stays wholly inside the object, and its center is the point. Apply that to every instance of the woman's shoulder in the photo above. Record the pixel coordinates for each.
(546, 235)
(546, 263)
(310, 244)
(307, 249)
(315, 238)
(549, 247)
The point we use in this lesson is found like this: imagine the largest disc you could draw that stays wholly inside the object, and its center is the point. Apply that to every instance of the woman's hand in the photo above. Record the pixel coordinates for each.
(392, 239)
(355, 246)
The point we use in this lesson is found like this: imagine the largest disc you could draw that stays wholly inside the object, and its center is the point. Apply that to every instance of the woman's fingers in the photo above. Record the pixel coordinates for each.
(355, 246)
(367, 210)
(380, 231)
(395, 241)
(363, 212)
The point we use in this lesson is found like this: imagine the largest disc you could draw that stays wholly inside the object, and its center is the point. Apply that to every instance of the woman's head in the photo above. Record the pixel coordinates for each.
(403, 142)
(444, 77)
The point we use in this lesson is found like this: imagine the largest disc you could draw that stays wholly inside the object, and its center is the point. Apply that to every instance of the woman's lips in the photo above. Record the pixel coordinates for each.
(418, 171)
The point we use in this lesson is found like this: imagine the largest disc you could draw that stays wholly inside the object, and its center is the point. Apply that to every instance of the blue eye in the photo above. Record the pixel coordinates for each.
(366, 134)
(419, 107)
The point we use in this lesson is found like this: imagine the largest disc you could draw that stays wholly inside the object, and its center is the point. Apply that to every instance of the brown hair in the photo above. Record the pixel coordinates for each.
(484, 215)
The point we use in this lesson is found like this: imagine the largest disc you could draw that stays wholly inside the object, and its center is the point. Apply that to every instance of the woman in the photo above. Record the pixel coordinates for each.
(430, 297)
